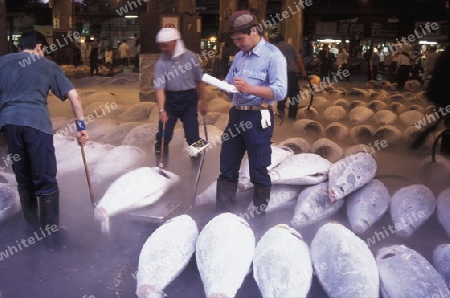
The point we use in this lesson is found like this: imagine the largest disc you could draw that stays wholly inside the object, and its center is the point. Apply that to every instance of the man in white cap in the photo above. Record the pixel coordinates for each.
(179, 88)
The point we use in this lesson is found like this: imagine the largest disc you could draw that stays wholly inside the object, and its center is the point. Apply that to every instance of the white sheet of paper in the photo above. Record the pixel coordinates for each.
(210, 80)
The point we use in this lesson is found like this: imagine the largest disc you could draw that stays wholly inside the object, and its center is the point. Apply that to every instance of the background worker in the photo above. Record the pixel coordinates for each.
(342, 60)
(404, 66)
(294, 62)
(177, 91)
(259, 73)
(26, 125)
(326, 62)
(124, 53)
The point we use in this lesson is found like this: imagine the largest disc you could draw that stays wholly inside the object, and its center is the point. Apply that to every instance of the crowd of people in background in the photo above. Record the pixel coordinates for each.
(126, 54)
(399, 63)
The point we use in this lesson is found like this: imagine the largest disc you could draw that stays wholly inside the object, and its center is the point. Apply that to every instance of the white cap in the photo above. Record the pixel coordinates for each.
(167, 34)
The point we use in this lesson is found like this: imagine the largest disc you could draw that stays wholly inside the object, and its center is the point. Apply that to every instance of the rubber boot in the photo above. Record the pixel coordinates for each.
(225, 195)
(49, 220)
(261, 198)
(28, 202)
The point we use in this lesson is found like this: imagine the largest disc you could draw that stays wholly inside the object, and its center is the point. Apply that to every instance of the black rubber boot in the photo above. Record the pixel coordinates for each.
(261, 198)
(225, 195)
(28, 202)
(49, 219)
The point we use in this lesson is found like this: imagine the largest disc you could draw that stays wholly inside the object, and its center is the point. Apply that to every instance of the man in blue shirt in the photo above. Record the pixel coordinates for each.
(179, 88)
(259, 74)
(25, 80)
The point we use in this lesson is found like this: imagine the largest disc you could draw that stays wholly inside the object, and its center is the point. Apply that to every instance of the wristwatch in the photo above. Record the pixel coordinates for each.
(160, 111)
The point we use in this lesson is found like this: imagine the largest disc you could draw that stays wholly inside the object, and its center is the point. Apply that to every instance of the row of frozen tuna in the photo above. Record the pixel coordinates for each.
(282, 263)
(364, 133)
(318, 187)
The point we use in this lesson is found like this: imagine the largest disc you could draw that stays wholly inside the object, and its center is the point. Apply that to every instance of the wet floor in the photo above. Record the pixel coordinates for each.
(94, 265)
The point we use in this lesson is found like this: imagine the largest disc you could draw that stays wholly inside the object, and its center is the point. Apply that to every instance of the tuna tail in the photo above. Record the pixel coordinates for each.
(105, 225)
(218, 295)
(147, 291)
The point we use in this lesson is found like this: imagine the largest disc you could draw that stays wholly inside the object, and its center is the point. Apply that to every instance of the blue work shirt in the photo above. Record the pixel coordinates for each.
(178, 74)
(265, 65)
(25, 80)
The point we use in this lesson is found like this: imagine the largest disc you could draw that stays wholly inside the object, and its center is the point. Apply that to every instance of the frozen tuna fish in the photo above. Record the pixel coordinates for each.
(397, 107)
(314, 205)
(298, 145)
(404, 273)
(441, 261)
(9, 201)
(443, 209)
(334, 113)
(362, 133)
(68, 153)
(119, 160)
(279, 153)
(282, 264)
(301, 169)
(336, 131)
(118, 134)
(410, 207)
(411, 117)
(138, 188)
(224, 252)
(360, 115)
(389, 133)
(327, 149)
(309, 127)
(349, 174)
(377, 105)
(385, 117)
(367, 205)
(164, 255)
(138, 112)
(343, 263)
(342, 102)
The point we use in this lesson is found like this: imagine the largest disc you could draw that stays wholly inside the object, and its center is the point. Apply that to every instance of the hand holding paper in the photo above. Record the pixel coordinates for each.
(210, 80)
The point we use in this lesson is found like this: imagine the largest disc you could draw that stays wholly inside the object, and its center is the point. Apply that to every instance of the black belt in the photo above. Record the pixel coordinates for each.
(253, 108)
(179, 92)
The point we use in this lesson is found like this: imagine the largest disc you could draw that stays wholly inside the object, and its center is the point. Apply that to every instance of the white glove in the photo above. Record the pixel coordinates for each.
(265, 118)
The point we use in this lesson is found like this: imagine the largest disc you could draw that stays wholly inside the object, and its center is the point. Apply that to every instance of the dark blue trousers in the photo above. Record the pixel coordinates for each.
(244, 133)
(292, 93)
(36, 164)
(183, 106)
